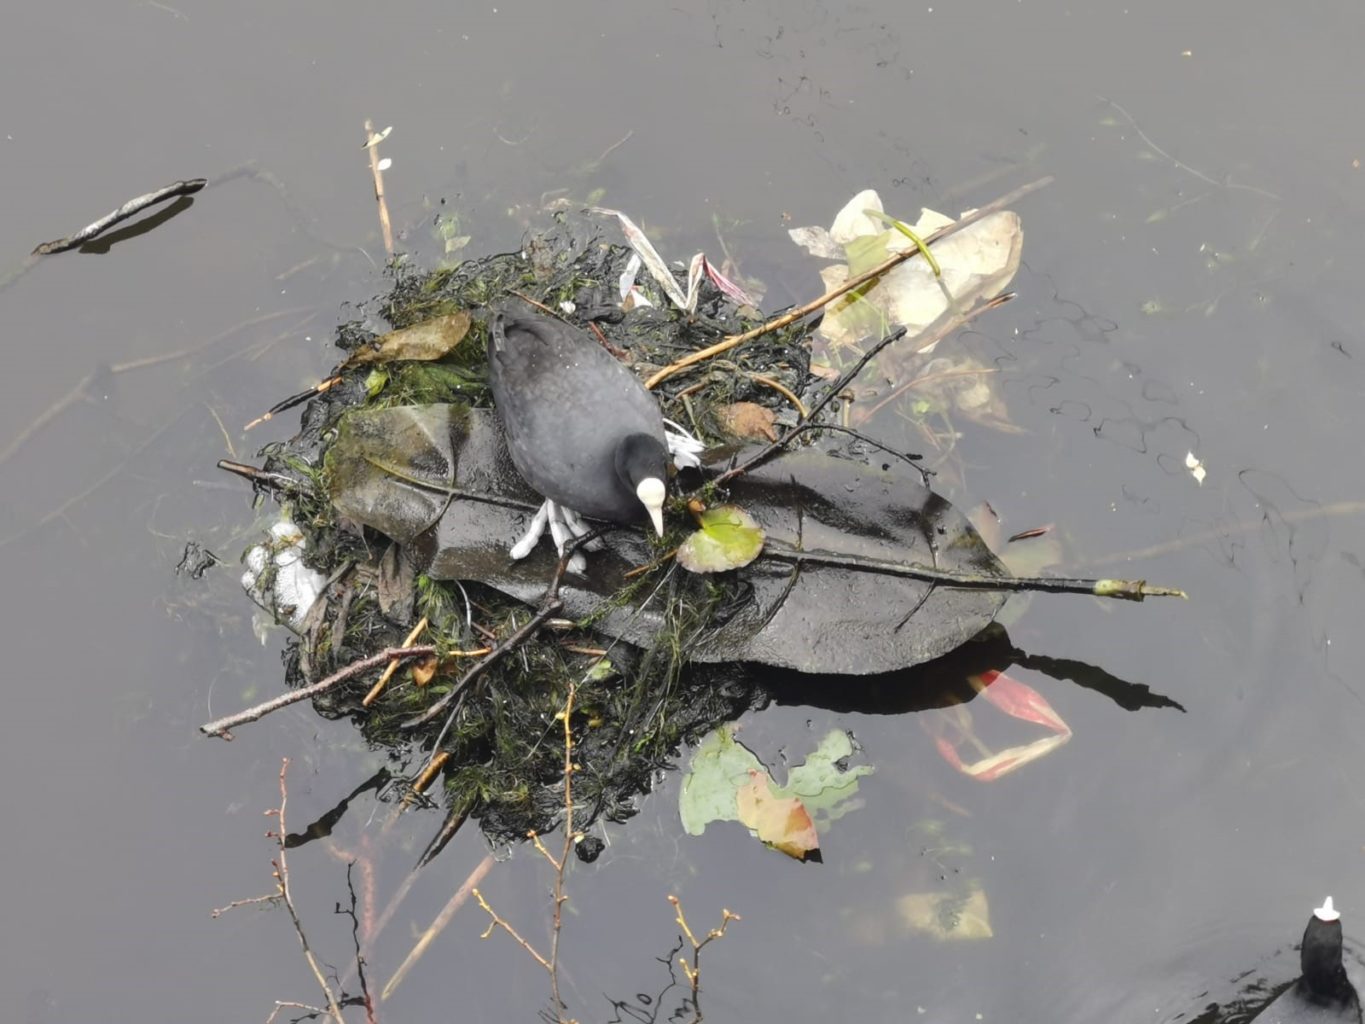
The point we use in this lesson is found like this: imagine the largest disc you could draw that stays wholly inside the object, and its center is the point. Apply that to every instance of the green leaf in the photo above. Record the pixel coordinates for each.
(720, 766)
(728, 539)
(821, 784)
(727, 782)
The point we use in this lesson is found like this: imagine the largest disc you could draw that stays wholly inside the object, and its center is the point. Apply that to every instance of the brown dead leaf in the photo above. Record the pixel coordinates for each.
(431, 339)
(781, 822)
(747, 420)
(424, 669)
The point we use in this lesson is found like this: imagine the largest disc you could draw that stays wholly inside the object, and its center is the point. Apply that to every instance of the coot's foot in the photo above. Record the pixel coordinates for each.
(565, 525)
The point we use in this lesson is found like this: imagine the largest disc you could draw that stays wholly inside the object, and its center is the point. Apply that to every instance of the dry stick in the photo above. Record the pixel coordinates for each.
(726, 344)
(781, 389)
(470, 885)
(388, 672)
(372, 140)
(221, 726)
(282, 880)
(129, 209)
(511, 643)
(261, 478)
(560, 864)
(1126, 590)
(693, 970)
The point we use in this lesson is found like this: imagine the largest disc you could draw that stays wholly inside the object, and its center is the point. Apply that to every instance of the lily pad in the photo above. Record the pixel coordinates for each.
(728, 538)
(727, 782)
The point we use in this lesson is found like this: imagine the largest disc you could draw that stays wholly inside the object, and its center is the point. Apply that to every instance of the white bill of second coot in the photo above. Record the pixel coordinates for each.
(1323, 992)
(581, 429)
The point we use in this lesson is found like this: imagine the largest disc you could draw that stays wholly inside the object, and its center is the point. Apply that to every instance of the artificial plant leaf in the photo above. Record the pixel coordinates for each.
(778, 820)
(728, 538)
(430, 339)
(978, 262)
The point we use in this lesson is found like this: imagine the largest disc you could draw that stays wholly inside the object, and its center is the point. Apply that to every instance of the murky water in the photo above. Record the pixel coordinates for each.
(1191, 285)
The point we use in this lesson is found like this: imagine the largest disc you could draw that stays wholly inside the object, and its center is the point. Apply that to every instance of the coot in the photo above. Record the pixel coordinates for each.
(580, 427)
(1323, 993)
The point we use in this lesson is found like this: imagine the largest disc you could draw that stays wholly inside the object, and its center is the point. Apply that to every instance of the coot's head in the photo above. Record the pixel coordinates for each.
(1324, 977)
(642, 465)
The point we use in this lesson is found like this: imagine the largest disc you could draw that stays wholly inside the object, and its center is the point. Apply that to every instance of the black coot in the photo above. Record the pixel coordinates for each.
(580, 427)
(1323, 993)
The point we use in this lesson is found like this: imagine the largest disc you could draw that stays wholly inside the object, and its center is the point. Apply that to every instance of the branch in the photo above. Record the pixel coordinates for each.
(221, 726)
(1126, 590)
(129, 209)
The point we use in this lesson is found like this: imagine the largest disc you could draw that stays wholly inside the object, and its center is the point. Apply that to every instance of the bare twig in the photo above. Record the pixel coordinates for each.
(693, 970)
(510, 644)
(470, 885)
(282, 880)
(922, 341)
(725, 344)
(220, 727)
(1123, 590)
(388, 672)
(560, 865)
(129, 209)
(372, 140)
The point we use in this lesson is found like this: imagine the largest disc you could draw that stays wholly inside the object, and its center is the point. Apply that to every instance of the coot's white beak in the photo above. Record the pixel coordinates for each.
(651, 494)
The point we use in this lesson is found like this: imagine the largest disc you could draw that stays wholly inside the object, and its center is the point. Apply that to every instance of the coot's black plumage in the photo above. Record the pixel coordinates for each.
(1323, 993)
(580, 427)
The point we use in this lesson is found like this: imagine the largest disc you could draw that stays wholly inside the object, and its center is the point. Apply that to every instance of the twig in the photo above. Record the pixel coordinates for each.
(372, 140)
(725, 344)
(496, 922)
(560, 865)
(772, 447)
(392, 667)
(469, 885)
(922, 341)
(367, 998)
(1209, 179)
(282, 880)
(511, 643)
(693, 970)
(262, 478)
(430, 772)
(781, 389)
(570, 837)
(220, 727)
(129, 209)
(1124, 590)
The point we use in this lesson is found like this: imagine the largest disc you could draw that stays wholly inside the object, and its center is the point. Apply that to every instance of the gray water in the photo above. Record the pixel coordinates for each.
(1190, 284)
